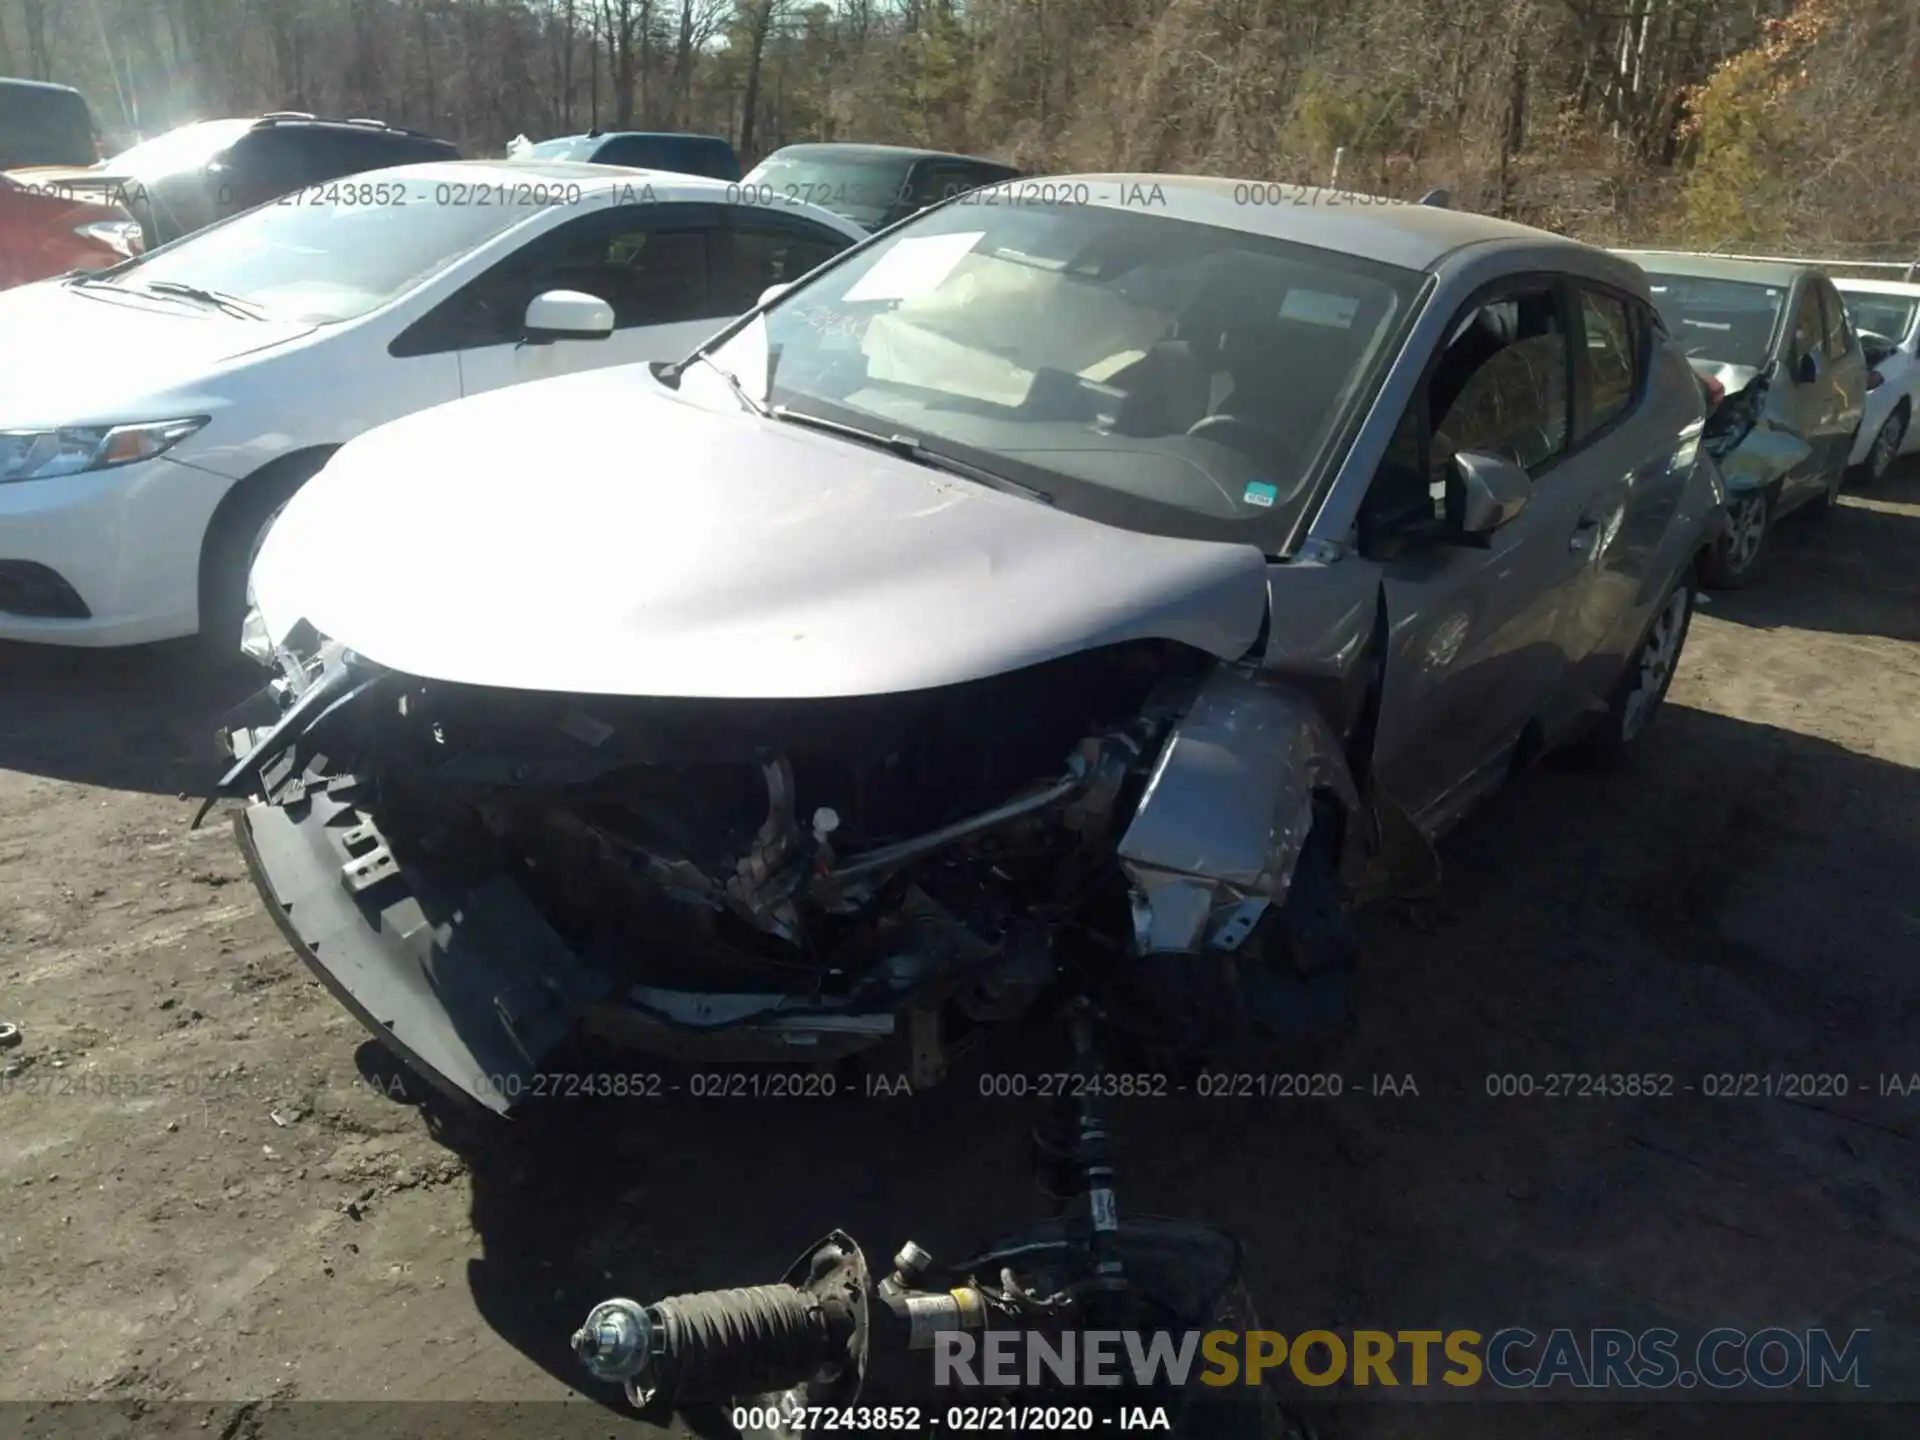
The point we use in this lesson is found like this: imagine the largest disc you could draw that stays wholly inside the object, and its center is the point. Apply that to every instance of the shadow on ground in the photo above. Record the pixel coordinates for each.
(1738, 902)
(1854, 572)
(138, 719)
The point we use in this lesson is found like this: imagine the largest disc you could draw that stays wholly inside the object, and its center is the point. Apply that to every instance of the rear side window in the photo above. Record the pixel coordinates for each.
(1614, 367)
(40, 125)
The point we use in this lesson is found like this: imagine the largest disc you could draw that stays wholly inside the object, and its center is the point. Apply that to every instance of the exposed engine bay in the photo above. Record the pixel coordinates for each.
(762, 881)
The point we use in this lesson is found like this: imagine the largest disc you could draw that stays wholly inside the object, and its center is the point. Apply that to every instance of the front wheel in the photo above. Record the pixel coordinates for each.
(1739, 555)
(1642, 687)
(1823, 504)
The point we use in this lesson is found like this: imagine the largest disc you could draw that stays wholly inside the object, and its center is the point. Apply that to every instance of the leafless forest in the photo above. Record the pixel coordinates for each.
(1732, 122)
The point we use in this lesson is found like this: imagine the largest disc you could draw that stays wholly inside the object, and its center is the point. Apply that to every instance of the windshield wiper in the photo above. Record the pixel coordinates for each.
(908, 448)
(733, 384)
(214, 298)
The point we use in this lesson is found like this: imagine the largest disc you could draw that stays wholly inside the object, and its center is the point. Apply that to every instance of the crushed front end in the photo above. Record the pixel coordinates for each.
(479, 873)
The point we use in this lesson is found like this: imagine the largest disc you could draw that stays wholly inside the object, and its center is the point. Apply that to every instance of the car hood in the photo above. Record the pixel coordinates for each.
(107, 358)
(600, 534)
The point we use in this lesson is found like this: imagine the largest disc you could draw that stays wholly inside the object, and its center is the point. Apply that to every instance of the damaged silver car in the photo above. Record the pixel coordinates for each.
(1098, 595)
(1786, 382)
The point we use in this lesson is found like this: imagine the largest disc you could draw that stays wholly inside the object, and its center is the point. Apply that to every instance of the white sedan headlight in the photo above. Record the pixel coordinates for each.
(75, 449)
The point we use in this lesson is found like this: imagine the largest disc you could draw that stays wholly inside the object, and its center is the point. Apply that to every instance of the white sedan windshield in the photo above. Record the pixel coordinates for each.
(331, 253)
(1158, 373)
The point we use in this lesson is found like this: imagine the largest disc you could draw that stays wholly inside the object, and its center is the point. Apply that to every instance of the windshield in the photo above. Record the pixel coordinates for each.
(862, 188)
(1730, 322)
(311, 257)
(1167, 376)
(1888, 315)
(180, 149)
(44, 126)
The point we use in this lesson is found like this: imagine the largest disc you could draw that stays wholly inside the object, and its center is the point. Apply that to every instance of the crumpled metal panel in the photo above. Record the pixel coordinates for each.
(1227, 810)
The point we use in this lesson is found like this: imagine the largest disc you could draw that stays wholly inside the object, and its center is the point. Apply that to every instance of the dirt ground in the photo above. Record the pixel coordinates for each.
(203, 1199)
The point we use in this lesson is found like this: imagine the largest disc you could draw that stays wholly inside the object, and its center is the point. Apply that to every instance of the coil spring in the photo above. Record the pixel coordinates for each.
(724, 1343)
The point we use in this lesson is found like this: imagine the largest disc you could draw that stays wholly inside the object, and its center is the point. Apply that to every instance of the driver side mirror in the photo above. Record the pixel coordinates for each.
(1806, 369)
(567, 315)
(773, 293)
(1484, 492)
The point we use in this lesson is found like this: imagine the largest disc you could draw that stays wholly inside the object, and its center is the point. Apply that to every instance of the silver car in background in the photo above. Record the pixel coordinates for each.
(1098, 592)
(1786, 380)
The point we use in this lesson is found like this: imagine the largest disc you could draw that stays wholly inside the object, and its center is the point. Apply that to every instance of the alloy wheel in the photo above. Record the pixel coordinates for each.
(1747, 529)
(1659, 653)
(1886, 446)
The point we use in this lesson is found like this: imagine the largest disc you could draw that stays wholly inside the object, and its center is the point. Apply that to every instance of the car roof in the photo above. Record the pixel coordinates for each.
(12, 84)
(1370, 227)
(592, 179)
(1908, 288)
(882, 152)
(1719, 267)
(586, 135)
(294, 120)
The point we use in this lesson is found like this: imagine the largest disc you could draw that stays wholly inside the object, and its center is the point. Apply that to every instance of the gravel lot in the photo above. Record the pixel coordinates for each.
(205, 1199)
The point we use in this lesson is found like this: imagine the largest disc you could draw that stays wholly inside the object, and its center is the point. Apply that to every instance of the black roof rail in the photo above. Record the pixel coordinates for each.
(1442, 198)
(369, 120)
(274, 117)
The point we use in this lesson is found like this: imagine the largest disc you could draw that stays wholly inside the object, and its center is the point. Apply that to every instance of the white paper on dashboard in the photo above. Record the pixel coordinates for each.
(913, 267)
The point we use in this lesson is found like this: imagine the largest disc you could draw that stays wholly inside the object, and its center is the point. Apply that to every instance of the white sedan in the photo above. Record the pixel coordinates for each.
(156, 416)
(1889, 309)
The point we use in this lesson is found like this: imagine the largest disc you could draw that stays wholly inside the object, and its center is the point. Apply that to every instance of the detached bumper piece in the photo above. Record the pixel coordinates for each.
(34, 592)
(473, 991)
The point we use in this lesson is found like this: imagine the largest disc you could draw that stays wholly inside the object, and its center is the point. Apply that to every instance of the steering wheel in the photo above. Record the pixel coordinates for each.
(1249, 437)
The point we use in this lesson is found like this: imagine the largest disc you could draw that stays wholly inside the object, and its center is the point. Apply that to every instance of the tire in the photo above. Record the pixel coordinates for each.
(1823, 504)
(1739, 556)
(1642, 687)
(226, 557)
(1886, 446)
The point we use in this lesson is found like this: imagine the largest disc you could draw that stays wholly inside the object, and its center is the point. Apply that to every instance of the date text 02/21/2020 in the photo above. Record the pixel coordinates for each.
(960, 1419)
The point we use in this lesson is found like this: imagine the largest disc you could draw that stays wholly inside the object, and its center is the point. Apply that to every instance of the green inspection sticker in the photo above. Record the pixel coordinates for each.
(1262, 494)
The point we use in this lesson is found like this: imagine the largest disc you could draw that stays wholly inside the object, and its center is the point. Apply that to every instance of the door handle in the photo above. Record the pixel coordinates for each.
(1582, 535)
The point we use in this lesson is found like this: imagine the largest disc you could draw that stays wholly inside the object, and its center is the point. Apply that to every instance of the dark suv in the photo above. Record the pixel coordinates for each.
(872, 185)
(42, 124)
(203, 172)
(707, 155)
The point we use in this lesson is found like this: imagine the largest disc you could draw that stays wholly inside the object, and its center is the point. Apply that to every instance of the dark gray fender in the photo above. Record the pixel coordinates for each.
(1226, 810)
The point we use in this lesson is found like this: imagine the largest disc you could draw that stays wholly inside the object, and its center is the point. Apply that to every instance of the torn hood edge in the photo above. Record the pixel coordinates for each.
(522, 540)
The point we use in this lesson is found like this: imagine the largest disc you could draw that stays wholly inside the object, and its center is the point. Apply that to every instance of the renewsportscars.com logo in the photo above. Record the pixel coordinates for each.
(1514, 1358)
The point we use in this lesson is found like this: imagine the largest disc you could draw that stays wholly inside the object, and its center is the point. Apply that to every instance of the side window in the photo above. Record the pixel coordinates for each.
(650, 266)
(1838, 332)
(1613, 364)
(944, 181)
(1502, 385)
(770, 250)
(1809, 326)
(626, 151)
